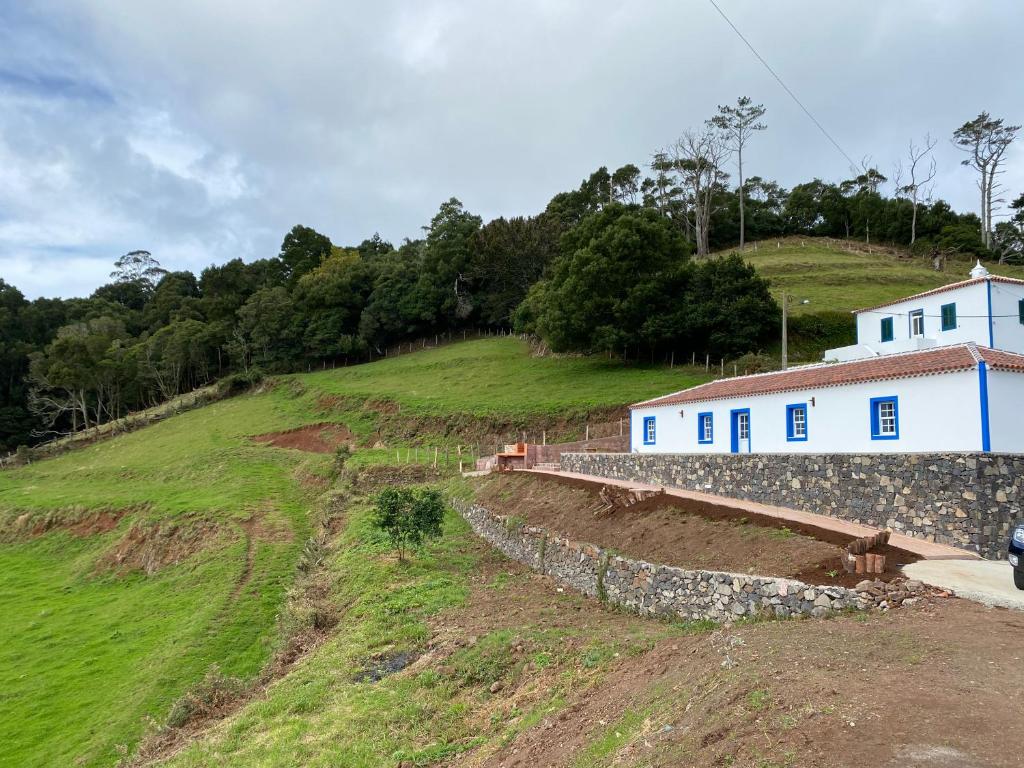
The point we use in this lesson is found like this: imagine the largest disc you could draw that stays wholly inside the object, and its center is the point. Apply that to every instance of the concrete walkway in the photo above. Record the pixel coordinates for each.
(986, 581)
(925, 549)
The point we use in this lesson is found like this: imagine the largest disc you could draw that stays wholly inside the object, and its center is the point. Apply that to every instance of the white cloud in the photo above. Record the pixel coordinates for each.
(204, 131)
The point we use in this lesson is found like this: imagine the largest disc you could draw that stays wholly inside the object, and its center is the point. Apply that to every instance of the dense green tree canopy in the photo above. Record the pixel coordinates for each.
(603, 268)
(616, 270)
(302, 251)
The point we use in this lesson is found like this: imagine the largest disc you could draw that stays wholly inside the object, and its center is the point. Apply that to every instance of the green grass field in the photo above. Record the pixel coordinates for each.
(496, 377)
(834, 280)
(90, 652)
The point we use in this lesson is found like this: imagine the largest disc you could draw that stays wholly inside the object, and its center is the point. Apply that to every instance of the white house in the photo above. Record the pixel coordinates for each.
(939, 371)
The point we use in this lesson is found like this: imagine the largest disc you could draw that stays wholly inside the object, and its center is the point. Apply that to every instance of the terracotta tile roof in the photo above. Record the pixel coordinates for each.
(943, 289)
(998, 360)
(958, 357)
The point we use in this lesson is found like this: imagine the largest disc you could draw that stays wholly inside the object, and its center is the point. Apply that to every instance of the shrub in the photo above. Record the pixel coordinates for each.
(240, 382)
(214, 692)
(408, 518)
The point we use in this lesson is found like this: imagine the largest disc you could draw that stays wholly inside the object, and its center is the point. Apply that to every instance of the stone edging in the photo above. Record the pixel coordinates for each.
(656, 590)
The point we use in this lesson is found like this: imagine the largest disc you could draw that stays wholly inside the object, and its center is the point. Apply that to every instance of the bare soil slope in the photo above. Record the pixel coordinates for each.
(938, 684)
(675, 531)
(314, 438)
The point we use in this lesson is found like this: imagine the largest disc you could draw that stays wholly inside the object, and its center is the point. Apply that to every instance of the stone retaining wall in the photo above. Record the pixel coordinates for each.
(965, 500)
(552, 452)
(655, 590)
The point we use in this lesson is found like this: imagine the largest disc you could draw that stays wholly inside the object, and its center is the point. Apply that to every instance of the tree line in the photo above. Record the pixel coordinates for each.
(614, 266)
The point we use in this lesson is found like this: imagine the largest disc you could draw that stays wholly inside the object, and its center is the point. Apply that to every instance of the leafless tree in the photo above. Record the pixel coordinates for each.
(697, 159)
(916, 189)
(664, 193)
(985, 140)
(737, 124)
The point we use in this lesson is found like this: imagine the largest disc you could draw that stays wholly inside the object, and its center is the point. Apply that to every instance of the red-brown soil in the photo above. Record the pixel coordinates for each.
(314, 438)
(149, 547)
(936, 684)
(77, 523)
(675, 531)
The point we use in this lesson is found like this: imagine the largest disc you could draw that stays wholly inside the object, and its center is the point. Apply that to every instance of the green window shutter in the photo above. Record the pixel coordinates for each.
(887, 327)
(948, 317)
(1020, 310)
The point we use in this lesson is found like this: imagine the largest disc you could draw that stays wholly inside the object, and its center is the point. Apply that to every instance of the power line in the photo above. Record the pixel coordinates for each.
(909, 314)
(785, 87)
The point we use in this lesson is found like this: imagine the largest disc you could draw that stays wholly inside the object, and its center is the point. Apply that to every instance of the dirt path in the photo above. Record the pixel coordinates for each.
(938, 684)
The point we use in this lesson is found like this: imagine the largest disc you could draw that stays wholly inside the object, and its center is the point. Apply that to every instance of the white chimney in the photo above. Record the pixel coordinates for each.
(979, 271)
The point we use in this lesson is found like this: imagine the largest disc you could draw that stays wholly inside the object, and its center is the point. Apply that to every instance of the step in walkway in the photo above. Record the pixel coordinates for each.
(927, 550)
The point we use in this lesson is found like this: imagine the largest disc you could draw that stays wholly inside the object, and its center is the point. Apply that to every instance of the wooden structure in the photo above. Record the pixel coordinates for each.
(513, 457)
(614, 498)
(860, 559)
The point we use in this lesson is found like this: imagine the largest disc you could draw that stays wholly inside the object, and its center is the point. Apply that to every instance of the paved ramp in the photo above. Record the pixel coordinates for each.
(987, 581)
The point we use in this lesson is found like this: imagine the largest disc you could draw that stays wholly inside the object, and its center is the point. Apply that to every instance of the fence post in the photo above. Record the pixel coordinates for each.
(588, 431)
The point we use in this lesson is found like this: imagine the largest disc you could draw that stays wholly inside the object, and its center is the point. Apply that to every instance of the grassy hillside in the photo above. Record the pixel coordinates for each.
(128, 568)
(496, 377)
(95, 645)
(833, 279)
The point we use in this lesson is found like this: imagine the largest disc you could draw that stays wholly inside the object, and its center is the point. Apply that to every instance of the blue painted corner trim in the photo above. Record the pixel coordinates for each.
(991, 330)
(986, 438)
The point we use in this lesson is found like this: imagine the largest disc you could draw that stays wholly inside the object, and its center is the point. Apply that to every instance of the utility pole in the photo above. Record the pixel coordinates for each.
(785, 340)
(785, 327)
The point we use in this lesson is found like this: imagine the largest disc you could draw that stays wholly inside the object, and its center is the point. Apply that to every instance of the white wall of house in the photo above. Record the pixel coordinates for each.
(972, 322)
(935, 413)
(1006, 411)
(1007, 329)
(971, 303)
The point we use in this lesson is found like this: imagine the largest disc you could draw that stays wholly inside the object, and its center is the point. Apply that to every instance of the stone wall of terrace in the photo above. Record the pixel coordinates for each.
(967, 500)
(657, 590)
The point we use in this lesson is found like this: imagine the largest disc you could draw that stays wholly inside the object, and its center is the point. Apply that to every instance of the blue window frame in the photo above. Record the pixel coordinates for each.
(649, 430)
(917, 323)
(705, 428)
(796, 422)
(887, 334)
(739, 430)
(949, 317)
(1020, 311)
(885, 418)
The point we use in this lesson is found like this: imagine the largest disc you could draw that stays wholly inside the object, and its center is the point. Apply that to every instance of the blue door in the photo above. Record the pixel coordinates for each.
(739, 424)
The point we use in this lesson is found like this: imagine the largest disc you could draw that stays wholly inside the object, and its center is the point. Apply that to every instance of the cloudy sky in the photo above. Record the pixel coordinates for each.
(203, 130)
